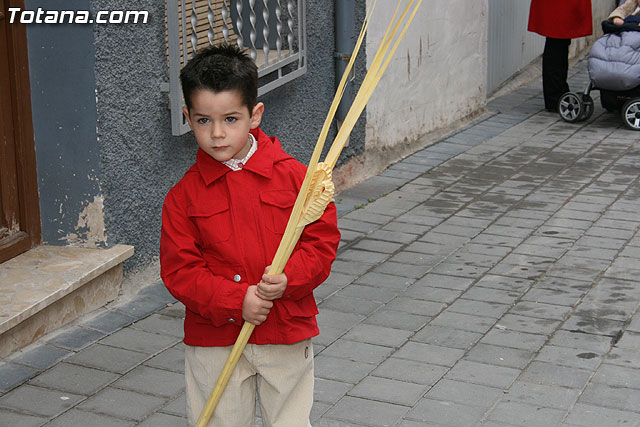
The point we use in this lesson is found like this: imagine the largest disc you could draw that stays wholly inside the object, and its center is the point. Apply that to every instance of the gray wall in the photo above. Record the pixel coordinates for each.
(102, 125)
(61, 67)
(140, 160)
(510, 45)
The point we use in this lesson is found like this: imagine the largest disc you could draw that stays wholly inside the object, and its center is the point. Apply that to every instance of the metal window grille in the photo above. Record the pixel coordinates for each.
(272, 31)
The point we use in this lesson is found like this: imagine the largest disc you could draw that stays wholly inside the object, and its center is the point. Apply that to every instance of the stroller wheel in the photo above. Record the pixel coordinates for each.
(570, 107)
(631, 114)
(588, 107)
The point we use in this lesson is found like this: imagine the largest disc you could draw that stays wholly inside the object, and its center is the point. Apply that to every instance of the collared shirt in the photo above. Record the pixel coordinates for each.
(238, 164)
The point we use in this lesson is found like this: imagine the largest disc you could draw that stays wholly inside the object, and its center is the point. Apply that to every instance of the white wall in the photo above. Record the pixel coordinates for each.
(437, 76)
(440, 72)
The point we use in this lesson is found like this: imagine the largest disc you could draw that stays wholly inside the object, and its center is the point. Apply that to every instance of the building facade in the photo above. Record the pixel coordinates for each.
(96, 153)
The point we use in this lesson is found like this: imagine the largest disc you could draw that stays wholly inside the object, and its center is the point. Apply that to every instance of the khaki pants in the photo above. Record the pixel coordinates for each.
(282, 376)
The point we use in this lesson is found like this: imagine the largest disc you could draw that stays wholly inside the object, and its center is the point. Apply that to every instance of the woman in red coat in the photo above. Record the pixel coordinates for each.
(559, 21)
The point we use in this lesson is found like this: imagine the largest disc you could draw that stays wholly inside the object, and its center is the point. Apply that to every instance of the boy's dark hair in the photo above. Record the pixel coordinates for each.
(220, 68)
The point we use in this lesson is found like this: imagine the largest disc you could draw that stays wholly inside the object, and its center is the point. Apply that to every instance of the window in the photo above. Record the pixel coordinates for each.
(272, 31)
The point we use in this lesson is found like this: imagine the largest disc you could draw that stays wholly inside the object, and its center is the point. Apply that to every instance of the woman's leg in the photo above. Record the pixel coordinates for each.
(555, 65)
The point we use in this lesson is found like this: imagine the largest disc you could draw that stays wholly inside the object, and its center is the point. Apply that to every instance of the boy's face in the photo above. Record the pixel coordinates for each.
(221, 123)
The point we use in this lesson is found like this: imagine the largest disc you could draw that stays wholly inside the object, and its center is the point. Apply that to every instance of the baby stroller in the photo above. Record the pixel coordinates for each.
(614, 70)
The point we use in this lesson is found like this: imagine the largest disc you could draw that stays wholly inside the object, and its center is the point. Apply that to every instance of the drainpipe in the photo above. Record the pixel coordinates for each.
(345, 42)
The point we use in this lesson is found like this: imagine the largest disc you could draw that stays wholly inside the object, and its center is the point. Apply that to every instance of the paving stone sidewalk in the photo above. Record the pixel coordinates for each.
(490, 279)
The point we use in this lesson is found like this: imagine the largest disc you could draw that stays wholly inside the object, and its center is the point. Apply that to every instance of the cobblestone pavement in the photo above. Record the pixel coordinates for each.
(490, 279)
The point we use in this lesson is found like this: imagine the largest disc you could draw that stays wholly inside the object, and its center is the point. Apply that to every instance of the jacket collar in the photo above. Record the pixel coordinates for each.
(261, 163)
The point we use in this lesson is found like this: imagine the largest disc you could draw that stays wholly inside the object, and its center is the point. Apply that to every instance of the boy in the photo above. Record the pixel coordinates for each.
(221, 226)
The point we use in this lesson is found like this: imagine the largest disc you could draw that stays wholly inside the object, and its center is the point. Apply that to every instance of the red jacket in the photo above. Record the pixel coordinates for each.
(561, 19)
(221, 228)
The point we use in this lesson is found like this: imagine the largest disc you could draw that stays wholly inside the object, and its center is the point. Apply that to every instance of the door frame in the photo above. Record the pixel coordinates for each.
(26, 182)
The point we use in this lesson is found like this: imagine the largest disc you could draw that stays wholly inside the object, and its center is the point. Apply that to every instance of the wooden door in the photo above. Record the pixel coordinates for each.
(19, 209)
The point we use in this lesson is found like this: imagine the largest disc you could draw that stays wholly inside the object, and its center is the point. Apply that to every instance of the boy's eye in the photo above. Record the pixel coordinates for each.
(203, 120)
(231, 119)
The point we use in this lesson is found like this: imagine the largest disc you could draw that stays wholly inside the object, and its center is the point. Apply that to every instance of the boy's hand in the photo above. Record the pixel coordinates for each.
(254, 308)
(618, 21)
(272, 287)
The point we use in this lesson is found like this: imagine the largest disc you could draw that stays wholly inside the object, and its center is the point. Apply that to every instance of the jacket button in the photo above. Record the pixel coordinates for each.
(236, 278)
(232, 320)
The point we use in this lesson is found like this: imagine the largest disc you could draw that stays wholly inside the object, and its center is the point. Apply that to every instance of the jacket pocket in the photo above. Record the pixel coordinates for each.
(305, 307)
(277, 206)
(213, 220)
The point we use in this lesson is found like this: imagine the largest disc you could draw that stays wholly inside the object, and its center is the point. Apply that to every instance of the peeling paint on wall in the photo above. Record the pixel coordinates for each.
(61, 68)
(90, 230)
